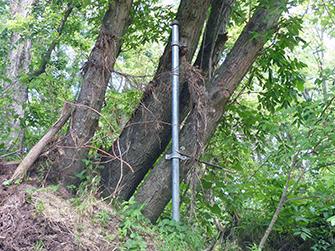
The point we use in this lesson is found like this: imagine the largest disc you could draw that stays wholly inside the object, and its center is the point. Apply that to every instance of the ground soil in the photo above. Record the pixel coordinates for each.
(45, 221)
(21, 228)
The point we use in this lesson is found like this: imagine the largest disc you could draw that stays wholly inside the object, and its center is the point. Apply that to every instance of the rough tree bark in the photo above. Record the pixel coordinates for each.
(147, 133)
(19, 61)
(215, 35)
(96, 74)
(156, 190)
(212, 45)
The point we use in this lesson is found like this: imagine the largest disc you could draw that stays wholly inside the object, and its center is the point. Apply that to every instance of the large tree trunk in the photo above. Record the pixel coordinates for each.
(148, 131)
(156, 191)
(19, 61)
(96, 74)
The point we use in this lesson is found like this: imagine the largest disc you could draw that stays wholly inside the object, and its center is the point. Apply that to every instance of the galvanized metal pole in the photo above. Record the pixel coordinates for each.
(175, 121)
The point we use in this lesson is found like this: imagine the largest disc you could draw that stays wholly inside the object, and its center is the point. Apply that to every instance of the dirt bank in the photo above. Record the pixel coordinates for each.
(40, 219)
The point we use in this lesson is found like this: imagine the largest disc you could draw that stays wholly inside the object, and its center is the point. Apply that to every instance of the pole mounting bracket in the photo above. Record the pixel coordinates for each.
(176, 156)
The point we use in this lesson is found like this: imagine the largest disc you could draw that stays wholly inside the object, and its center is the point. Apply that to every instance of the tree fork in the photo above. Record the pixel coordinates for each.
(215, 45)
(156, 190)
(215, 35)
(160, 97)
(139, 144)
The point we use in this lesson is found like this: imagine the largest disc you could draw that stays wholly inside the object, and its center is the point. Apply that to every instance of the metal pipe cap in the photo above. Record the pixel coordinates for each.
(175, 22)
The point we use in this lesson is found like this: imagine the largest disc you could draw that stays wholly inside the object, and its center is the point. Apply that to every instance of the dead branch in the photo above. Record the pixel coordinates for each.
(106, 154)
(121, 172)
(207, 163)
(9, 154)
(37, 149)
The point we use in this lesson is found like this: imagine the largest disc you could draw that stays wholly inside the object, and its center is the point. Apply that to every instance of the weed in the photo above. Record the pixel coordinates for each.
(110, 237)
(133, 227)
(39, 206)
(39, 245)
(254, 247)
(103, 217)
(178, 236)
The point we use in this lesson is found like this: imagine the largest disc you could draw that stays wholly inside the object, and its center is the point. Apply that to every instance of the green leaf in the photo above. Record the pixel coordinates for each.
(7, 183)
(331, 220)
(300, 86)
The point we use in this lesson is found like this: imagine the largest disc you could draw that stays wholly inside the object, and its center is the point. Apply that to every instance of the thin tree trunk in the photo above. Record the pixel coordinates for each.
(47, 55)
(19, 60)
(274, 217)
(96, 74)
(320, 58)
(156, 190)
(282, 201)
(147, 133)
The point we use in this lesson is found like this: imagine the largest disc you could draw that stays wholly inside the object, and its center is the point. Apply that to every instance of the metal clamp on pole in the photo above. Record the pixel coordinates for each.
(175, 156)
